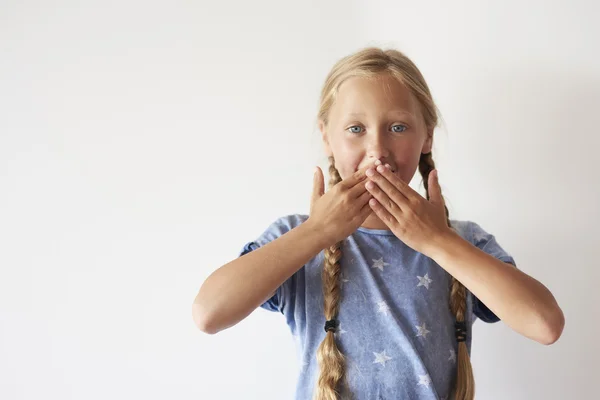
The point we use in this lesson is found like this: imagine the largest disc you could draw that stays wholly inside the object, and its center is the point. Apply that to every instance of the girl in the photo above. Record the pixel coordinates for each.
(385, 311)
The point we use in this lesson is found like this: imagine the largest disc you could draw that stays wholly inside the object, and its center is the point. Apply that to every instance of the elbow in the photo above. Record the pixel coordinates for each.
(554, 327)
(201, 321)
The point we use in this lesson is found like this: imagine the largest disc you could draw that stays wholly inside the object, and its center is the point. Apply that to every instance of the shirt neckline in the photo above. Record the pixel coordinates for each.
(384, 232)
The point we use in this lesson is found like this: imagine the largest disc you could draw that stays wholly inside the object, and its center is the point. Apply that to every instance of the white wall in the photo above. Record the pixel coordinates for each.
(133, 133)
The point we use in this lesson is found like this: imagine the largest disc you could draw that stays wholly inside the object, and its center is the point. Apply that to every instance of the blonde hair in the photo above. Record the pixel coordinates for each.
(370, 62)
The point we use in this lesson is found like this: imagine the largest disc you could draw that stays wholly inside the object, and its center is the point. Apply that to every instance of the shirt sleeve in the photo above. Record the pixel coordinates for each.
(488, 243)
(271, 304)
(281, 226)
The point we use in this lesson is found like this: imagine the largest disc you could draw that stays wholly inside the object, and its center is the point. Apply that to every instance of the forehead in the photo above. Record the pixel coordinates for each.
(381, 93)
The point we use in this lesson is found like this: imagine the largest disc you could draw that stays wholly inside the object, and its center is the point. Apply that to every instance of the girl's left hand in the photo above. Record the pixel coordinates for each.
(418, 222)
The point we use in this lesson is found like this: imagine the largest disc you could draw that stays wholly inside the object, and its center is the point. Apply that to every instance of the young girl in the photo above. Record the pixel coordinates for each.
(385, 311)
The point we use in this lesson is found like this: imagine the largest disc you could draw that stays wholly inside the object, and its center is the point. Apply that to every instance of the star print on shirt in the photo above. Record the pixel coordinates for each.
(344, 278)
(379, 264)
(381, 358)
(424, 281)
(424, 380)
(422, 330)
(452, 355)
(383, 307)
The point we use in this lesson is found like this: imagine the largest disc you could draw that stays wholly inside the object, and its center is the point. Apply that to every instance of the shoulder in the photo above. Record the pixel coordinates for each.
(289, 222)
(475, 234)
(276, 229)
(471, 231)
(464, 228)
(283, 225)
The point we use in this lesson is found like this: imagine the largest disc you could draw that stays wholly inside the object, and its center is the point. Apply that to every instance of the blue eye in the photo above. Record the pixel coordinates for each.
(351, 129)
(398, 126)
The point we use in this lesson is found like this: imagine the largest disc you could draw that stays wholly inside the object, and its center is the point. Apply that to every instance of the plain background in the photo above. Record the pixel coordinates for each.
(142, 144)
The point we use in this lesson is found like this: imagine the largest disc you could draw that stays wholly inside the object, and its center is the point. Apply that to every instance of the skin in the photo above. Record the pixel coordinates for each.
(376, 119)
(522, 302)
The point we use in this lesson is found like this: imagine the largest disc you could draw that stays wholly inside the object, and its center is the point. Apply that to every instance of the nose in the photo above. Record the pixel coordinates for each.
(376, 147)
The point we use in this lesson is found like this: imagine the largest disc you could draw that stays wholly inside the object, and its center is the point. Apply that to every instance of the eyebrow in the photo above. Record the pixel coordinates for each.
(395, 112)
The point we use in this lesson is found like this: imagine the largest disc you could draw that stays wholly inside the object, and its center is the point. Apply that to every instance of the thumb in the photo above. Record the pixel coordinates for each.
(435, 190)
(318, 187)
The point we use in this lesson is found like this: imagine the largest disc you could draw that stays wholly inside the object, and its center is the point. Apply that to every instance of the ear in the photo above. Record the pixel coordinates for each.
(428, 144)
(325, 138)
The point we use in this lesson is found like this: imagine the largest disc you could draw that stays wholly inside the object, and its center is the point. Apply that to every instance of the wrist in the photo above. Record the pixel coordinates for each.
(318, 233)
(443, 245)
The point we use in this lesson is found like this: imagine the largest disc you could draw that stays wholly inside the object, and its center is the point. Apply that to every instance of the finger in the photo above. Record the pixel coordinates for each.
(384, 191)
(365, 212)
(318, 187)
(401, 186)
(383, 199)
(356, 178)
(435, 190)
(364, 198)
(358, 190)
(384, 215)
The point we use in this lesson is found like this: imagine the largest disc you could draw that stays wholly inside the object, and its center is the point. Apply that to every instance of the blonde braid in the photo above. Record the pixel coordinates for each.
(465, 384)
(370, 62)
(332, 363)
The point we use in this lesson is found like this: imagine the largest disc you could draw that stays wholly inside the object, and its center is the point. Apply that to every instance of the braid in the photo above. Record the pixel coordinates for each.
(371, 62)
(465, 383)
(332, 363)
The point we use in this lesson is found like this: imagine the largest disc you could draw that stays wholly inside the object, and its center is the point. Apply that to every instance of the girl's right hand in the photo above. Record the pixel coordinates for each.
(340, 211)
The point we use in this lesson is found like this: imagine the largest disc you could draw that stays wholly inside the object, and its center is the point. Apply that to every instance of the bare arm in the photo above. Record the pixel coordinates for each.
(522, 302)
(237, 288)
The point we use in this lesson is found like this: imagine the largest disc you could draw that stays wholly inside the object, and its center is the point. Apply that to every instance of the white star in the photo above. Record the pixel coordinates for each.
(383, 307)
(424, 281)
(424, 380)
(422, 330)
(344, 279)
(381, 358)
(452, 355)
(379, 263)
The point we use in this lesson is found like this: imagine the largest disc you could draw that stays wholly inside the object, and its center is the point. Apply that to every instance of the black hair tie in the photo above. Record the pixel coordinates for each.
(460, 329)
(331, 325)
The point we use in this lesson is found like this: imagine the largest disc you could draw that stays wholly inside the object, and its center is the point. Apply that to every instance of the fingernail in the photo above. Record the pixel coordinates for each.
(370, 172)
(380, 168)
(377, 162)
(388, 166)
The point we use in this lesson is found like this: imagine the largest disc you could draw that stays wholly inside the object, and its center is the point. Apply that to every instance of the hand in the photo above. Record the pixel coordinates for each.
(418, 222)
(340, 211)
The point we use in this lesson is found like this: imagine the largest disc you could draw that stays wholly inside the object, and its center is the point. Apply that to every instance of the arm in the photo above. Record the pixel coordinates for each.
(237, 288)
(519, 300)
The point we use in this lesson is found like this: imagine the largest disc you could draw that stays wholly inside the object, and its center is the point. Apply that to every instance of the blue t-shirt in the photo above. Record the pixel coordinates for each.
(396, 329)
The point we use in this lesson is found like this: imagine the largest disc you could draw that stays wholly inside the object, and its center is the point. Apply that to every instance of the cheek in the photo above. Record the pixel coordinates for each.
(408, 163)
(346, 166)
(407, 150)
(347, 157)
